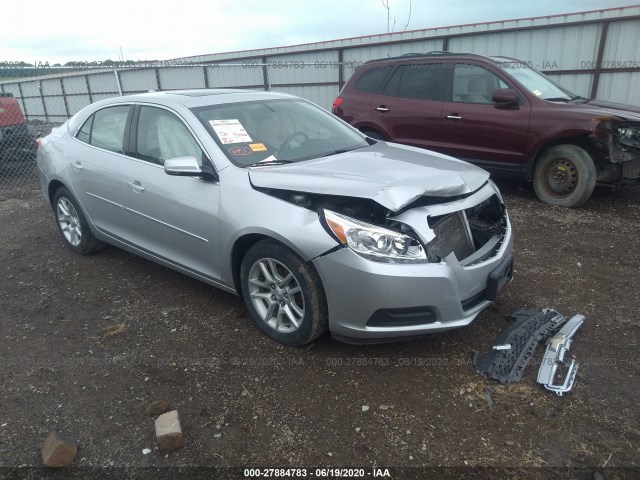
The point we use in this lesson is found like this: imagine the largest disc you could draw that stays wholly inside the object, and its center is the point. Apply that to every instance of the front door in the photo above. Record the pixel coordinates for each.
(175, 218)
(474, 127)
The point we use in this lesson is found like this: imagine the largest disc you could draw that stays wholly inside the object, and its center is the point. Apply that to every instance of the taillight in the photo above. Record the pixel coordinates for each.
(337, 102)
(38, 142)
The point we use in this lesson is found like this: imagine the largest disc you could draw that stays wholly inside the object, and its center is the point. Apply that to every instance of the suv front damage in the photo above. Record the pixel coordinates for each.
(620, 138)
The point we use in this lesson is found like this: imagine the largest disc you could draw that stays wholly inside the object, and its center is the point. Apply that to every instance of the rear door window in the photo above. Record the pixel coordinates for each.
(420, 81)
(105, 128)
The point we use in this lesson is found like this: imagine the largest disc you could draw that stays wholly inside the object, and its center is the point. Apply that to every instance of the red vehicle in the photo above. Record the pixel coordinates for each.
(16, 137)
(500, 114)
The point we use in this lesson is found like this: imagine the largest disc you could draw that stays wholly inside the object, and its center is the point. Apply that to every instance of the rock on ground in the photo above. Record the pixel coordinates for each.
(58, 451)
(169, 432)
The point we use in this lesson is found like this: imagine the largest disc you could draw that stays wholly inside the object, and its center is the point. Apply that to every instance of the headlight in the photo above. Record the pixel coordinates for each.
(373, 242)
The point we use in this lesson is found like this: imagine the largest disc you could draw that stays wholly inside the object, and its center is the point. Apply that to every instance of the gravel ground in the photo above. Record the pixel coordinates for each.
(89, 342)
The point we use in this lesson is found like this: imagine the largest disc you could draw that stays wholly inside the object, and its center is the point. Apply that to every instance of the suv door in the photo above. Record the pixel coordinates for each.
(174, 218)
(409, 108)
(477, 129)
(96, 162)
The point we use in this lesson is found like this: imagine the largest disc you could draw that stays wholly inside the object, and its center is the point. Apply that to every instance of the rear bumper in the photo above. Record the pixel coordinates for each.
(376, 301)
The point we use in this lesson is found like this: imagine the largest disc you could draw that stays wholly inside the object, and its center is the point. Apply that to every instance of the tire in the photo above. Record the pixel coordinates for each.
(73, 225)
(565, 175)
(283, 294)
(369, 132)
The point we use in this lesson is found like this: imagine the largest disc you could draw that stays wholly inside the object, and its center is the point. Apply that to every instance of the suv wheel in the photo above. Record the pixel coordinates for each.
(72, 224)
(565, 175)
(283, 294)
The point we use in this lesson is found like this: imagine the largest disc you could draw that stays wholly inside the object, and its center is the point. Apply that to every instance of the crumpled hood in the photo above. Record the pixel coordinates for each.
(390, 174)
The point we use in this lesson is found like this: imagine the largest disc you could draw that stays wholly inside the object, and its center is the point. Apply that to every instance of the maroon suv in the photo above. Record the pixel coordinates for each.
(501, 114)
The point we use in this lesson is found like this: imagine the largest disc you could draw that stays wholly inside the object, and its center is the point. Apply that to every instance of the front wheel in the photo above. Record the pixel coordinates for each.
(72, 224)
(565, 175)
(283, 294)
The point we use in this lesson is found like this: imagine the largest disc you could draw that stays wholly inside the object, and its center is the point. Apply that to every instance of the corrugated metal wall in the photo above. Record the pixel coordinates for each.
(591, 53)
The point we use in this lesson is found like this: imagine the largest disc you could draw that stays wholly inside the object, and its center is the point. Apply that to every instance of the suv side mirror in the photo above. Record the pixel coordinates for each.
(188, 167)
(504, 96)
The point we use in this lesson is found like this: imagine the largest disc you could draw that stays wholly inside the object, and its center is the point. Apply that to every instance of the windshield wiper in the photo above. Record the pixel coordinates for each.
(268, 162)
(341, 150)
(558, 99)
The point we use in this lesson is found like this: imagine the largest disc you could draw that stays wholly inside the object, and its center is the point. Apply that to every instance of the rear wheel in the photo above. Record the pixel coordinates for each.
(565, 175)
(283, 294)
(72, 224)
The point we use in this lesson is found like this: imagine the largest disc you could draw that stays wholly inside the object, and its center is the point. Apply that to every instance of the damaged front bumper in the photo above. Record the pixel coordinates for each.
(374, 301)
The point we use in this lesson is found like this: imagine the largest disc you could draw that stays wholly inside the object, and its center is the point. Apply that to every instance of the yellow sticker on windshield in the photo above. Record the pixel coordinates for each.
(537, 93)
(257, 147)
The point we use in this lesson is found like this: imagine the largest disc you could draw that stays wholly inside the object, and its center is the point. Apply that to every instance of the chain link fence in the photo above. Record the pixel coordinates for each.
(31, 104)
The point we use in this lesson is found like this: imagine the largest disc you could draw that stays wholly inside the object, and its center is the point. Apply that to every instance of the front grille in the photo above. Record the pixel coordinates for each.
(452, 235)
(475, 234)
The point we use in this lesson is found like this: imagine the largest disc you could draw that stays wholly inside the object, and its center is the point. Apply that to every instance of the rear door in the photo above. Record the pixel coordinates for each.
(477, 129)
(96, 159)
(409, 108)
(174, 218)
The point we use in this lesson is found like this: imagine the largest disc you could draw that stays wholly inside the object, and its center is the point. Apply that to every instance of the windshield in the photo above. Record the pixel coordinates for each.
(537, 83)
(276, 131)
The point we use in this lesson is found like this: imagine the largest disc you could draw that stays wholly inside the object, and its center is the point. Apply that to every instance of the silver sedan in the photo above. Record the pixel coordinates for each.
(316, 226)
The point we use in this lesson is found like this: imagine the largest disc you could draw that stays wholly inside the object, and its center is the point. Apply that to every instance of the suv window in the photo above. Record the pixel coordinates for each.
(474, 84)
(421, 81)
(370, 80)
(105, 128)
(162, 135)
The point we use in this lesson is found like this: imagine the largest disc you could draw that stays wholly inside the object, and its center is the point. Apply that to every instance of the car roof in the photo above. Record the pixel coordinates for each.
(198, 97)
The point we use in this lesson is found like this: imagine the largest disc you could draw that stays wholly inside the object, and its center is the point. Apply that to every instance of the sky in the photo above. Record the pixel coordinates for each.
(74, 30)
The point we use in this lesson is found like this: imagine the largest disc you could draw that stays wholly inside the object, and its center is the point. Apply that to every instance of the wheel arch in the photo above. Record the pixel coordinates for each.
(581, 140)
(367, 130)
(245, 241)
(52, 188)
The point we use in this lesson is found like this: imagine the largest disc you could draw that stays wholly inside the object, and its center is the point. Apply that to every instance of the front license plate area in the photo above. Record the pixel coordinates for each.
(499, 278)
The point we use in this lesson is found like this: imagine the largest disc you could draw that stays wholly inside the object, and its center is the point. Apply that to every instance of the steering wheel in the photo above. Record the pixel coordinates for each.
(284, 145)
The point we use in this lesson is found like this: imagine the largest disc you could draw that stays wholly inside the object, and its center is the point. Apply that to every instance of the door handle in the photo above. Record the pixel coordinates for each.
(454, 116)
(382, 108)
(77, 165)
(136, 186)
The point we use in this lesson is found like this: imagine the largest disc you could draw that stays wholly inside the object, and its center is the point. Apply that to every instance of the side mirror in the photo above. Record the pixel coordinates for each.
(504, 96)
(188, 167)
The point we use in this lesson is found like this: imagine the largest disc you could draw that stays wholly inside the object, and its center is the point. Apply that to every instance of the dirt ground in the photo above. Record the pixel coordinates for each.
(88, 342)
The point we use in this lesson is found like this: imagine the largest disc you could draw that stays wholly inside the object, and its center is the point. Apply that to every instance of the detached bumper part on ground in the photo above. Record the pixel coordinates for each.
(515, 346)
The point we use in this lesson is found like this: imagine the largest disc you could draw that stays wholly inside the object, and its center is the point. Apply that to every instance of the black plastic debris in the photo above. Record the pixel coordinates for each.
(514, 347)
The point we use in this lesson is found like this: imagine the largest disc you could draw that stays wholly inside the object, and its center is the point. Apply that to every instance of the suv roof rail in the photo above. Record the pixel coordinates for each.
(434, 53)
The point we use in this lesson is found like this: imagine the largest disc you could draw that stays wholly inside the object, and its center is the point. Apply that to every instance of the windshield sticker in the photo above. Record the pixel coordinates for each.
(537, 93)
(240, 151)
(230, 131)
(257, 147)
